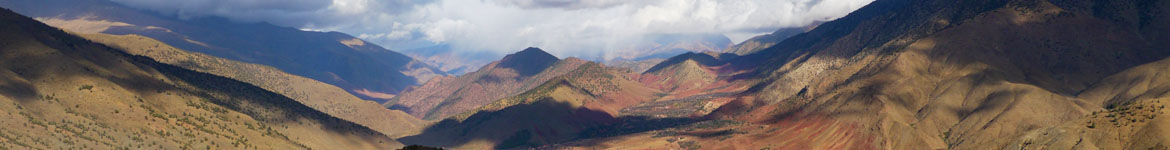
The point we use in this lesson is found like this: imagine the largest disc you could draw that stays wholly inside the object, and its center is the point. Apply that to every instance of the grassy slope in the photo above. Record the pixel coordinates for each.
(60, 91)
(324, 97)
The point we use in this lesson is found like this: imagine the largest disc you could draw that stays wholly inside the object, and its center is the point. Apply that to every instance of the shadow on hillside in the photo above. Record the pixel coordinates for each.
(531, 125)
(74, 57)
(702, 59)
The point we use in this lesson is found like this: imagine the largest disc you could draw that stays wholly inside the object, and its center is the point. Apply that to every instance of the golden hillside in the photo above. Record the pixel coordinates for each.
(60, 91)
(323, 97)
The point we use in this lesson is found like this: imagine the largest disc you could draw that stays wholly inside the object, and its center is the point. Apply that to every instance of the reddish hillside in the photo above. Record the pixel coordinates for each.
(445, 96)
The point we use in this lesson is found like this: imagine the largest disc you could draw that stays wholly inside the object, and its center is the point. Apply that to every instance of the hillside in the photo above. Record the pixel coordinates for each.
(515, 73)
(60, 91)
(562, 109)
(323, 97)
(901, 74)
(365, 70)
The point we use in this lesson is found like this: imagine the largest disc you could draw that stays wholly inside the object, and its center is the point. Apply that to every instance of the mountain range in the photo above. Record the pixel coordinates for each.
(894, 74)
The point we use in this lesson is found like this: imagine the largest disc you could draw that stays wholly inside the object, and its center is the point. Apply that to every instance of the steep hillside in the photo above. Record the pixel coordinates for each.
(952, 74)
(445, 96)
(59, 91)
(1134, 115)
(562, 109)
(683, 72)
(323, 97)
(361, 68)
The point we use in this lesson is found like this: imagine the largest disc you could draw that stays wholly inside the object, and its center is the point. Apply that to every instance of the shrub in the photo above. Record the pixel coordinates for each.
(85, 87)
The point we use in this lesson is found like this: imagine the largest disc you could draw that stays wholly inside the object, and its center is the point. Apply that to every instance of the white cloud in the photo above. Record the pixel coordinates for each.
(581, 28)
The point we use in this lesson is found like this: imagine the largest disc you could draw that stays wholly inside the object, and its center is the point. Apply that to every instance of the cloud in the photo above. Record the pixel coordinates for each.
(578, 28)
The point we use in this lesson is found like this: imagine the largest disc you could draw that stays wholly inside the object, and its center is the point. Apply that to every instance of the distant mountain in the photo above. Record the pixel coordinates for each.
(662, 46)
(768, 40)
(363, 69)
(323, 97)
(450, 60)
(515, 73)
(64, 92)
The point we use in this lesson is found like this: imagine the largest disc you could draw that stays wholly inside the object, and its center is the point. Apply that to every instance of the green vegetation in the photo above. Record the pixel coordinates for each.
(85, 87)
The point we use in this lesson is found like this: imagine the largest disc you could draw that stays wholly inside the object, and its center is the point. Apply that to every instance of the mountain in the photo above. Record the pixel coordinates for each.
(895, 74)
(761, 42)
(558, 110)
(453, 62)
(515, 73)
(323, 97)
(901, 74)
(654, 48)
(60, 91)
(361, 68)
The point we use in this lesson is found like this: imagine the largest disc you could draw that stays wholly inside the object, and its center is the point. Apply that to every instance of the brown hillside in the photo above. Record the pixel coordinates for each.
(559, 110)
(446, 96)
(361, 68)
(953, 74)
(60, 91)
(323, 97)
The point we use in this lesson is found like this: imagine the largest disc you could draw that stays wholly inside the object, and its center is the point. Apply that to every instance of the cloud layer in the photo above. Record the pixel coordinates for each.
(580, 28)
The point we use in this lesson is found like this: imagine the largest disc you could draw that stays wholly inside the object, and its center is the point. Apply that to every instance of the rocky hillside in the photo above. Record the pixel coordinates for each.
(901, 74)
(361, 68)
(59, 91)
(323, 97)
(445, 96)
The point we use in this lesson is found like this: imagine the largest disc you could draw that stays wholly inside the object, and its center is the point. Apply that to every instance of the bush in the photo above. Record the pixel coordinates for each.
(85, 87)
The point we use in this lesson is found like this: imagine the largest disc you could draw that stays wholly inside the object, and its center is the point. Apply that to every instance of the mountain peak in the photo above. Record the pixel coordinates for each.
(529, 61)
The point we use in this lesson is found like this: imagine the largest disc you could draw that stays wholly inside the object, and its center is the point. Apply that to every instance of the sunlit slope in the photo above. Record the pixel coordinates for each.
(323, 97)
(60, 91)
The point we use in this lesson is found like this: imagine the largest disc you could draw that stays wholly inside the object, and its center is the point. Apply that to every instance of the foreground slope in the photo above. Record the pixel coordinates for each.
(901, 74)
(323, 97)
(443, 97)
(361, 68)
(60, 91)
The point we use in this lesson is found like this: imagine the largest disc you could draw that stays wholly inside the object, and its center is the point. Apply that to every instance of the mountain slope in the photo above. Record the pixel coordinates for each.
(514, 74)
(363, 69)
(323, 97)
(562, 109)
(953, 74)
(60, 91)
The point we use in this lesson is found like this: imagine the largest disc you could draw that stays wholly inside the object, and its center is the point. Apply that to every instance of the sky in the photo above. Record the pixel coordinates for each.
(562, 27)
